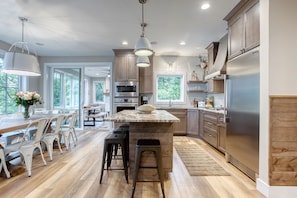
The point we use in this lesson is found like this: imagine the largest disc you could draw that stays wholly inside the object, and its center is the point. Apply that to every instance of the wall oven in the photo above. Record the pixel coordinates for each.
(126, 89)
(130, 103)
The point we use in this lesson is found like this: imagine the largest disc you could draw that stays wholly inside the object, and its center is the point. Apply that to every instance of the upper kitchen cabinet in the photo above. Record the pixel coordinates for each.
(243, 27)
(146, 78)
(215, 86)
(125, 68)
(212, 50)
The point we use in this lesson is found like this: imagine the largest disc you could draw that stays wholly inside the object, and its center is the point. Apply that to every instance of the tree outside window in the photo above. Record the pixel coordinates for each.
(99, 91)
(170, 87)
(9, 85)
(66, 90)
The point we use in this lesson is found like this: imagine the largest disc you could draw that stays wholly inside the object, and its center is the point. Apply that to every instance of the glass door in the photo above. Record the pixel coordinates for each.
(63, 88)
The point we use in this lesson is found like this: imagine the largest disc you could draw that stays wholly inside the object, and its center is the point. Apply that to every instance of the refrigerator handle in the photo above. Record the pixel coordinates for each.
(226, 117)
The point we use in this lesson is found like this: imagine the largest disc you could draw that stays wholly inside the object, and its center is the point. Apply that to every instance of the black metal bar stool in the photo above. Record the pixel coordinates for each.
(110, 142)
(150, 145)
(123, 129)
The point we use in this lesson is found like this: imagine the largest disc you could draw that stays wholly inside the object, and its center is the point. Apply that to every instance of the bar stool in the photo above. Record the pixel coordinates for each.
(109, 142)
(123, 129)
(151, 145)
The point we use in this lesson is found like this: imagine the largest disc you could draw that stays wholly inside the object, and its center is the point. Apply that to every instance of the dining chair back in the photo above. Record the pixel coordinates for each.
(68, 131)
(49, 137)
(27, 146)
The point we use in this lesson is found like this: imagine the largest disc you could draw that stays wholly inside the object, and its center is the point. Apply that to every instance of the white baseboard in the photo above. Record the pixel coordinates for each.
(276, 191)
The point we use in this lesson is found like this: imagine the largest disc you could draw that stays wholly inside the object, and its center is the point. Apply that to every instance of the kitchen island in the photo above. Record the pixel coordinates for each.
(156, 125)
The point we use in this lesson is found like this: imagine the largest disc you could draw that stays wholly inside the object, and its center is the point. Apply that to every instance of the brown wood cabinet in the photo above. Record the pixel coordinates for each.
(146, 78)
(213, 129)
(180, 128)
(221, 133)
(243, 27)
(193, 122)
(212, 50)
(210, 129)
(125, 68)
(215, 86)
(201, 112)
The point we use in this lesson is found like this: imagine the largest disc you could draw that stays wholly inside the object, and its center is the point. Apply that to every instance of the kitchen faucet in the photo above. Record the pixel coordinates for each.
(170, 103)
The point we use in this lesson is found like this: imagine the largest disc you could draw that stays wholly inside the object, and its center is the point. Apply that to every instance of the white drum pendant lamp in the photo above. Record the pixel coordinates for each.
(143, 61)
(143, 46)
(18, 59)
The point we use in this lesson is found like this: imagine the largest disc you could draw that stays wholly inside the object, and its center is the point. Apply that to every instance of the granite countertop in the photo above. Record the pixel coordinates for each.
(136, 116)
(214, 110)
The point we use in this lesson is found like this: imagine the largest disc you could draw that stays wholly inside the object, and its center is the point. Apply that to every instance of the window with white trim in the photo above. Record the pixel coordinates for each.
(170, 87)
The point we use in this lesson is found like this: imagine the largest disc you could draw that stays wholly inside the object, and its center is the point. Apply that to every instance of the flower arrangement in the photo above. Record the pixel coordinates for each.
(26, 99)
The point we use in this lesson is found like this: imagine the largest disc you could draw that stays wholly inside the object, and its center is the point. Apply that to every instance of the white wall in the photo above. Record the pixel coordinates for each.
(278, 76)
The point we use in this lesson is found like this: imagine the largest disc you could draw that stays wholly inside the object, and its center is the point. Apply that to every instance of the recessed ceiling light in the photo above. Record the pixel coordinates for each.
(205, 6)
(124, 43)
(182, 43)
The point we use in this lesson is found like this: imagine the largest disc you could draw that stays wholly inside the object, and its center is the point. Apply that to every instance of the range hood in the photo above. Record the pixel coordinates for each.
(219, 66)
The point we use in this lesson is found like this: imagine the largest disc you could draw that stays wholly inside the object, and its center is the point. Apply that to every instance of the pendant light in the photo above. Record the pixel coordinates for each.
(143, 61)
(21, 62)
(143, 46)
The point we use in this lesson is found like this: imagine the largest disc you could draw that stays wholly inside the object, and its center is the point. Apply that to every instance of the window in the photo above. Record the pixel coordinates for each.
(98, 87)
(9, 85)
(66, 90)
(170, 87)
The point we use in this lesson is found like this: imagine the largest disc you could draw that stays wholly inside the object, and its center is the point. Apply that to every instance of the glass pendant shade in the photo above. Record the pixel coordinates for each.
(143, 61)
(143, 47)
(21, 64)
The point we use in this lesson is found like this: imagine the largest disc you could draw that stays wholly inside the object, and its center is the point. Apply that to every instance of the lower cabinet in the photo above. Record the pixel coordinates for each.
(180, 128)
(210, 128)
(221, 133)
(213, 129)
(193, 122)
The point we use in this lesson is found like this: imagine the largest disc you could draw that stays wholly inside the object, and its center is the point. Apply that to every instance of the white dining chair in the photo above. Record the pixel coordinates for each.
(3, 163)
(49, 138)
(27, 146)
(68, 131)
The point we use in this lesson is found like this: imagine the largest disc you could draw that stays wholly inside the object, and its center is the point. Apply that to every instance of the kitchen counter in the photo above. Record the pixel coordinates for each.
(157, 125)
(214, 110)
(136, 116)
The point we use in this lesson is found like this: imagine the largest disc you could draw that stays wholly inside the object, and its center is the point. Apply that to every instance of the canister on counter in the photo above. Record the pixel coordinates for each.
(195, 103)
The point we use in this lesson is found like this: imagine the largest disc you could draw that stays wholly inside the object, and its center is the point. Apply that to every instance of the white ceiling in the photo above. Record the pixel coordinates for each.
(95, 27)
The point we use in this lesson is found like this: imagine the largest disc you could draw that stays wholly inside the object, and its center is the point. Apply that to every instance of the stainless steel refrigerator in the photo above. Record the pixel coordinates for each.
(242, 112)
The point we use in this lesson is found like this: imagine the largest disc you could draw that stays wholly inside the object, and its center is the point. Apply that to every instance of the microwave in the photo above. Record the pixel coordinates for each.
(126, 89)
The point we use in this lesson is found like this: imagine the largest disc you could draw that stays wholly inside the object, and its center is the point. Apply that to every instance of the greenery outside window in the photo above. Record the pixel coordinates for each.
(99, 87)
(170, 87)
(66, 90)
(9, 85)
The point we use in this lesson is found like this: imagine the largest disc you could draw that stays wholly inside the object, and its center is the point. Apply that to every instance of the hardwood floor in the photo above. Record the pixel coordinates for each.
(76, 173)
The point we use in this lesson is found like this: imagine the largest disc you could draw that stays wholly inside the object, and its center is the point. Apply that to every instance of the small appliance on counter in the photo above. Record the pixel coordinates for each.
(201, 104)
(143, 100)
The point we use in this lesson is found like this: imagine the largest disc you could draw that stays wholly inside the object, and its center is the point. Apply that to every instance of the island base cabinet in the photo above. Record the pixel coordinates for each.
(161, 131)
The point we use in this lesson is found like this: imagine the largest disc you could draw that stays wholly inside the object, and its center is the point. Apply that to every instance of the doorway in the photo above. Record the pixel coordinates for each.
(67, 87)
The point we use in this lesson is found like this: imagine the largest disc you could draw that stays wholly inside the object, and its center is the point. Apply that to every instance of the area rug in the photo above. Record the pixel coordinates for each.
(198, 162)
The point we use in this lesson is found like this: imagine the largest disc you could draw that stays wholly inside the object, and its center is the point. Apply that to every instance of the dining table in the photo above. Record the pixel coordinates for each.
(17, 121)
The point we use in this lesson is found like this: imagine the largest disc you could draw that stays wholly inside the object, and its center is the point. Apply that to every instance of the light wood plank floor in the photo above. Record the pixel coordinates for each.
(76, 173)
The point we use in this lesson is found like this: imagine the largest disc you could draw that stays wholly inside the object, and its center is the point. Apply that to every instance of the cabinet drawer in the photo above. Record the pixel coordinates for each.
(210, 117)
(211, 137)
(210, 126)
